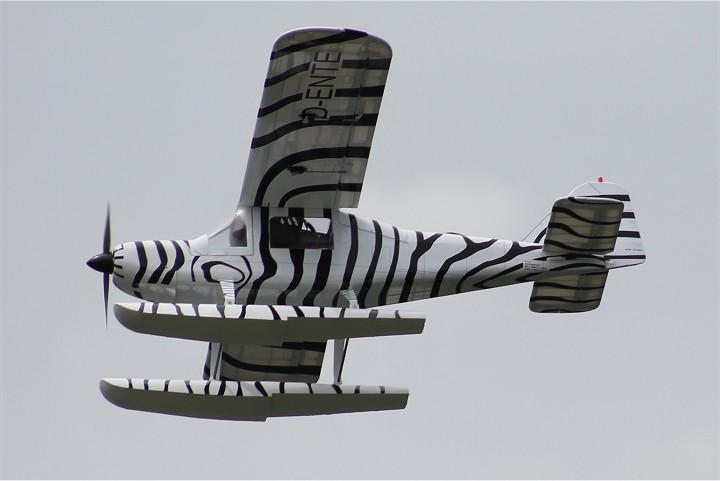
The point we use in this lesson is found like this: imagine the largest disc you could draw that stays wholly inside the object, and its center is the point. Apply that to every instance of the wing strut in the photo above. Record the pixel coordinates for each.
(341, 345)
(216, 348)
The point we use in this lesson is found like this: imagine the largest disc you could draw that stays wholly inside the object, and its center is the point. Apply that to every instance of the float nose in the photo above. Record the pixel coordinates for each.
(102, 263)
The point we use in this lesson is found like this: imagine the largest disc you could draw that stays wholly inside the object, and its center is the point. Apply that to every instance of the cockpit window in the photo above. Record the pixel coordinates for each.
(238, 232)
(301, 233)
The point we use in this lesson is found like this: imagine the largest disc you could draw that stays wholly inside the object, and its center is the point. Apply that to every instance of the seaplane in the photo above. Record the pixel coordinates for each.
(292, 269)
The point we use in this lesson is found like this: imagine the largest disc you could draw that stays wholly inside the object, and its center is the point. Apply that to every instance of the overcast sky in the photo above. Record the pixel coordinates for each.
(491, 112)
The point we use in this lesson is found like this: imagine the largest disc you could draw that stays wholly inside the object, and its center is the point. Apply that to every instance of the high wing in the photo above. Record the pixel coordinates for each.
(316, 119)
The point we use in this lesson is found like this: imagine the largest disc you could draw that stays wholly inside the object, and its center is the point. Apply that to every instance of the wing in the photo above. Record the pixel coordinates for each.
(316, 120)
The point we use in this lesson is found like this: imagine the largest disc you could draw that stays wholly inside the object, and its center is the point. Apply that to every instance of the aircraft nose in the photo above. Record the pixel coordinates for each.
(102, 263)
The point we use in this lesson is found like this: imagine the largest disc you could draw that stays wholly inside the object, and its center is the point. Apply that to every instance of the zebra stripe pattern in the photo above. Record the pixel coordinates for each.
(321, 84)
(246, 388)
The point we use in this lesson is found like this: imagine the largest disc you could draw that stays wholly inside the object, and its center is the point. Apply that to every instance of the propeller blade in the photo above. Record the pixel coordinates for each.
(106, 291)
(106, 238)
(106, 250)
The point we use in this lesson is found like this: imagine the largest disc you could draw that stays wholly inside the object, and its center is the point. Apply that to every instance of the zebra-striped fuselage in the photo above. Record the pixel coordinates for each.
(380, 263)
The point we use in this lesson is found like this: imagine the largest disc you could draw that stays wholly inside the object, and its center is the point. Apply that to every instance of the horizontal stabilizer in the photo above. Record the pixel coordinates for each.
(260, 324)
(248, 401)
(572, 293)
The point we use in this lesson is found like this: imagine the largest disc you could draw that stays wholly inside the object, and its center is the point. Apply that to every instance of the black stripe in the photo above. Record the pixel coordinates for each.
(337, 388)
(367, 284)
(580, 200)
(179, 261)
(269, 264)
(166, 387)
(622, 197)
(373, 91)
(572, 213)
(275, 315)
(559, 311)
(282, 387)
(365, 120)
(263, 111)
(261, 388)
(189, 388)
(296, 256)
(367, 63)
(264, 368)
(221, 391)
(471, 248)
(628, 215)
(192, 267)
(639, 257)
(514, 251)
(163, 263)
(344, 356)
(321, 277)
(570, 230)
(567, 247)
(357, 389)
(562, 299)
(540, 235)
(579, 265)
(629, 233)
(345, 36)
(142, 260)
(564, 287)
(306, 155)
(505, 272)
(423, 245)
(382, 298)
(281, 77)
(351, 259)
(339, 187)
(315, 346)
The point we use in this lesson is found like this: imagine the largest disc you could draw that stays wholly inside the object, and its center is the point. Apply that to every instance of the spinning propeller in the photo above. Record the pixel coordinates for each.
(104, 262)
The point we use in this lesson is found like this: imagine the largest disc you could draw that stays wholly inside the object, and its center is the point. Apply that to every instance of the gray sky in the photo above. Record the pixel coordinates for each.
(492, 111)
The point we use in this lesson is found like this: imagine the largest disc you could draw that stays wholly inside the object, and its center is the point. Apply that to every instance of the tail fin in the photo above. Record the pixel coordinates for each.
(597, 222)
(629, 250)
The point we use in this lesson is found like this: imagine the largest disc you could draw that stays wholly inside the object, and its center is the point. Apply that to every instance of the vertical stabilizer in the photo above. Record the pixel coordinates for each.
(628, 249)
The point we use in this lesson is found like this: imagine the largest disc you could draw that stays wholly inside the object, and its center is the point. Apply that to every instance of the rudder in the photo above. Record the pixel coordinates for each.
(629, 250)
